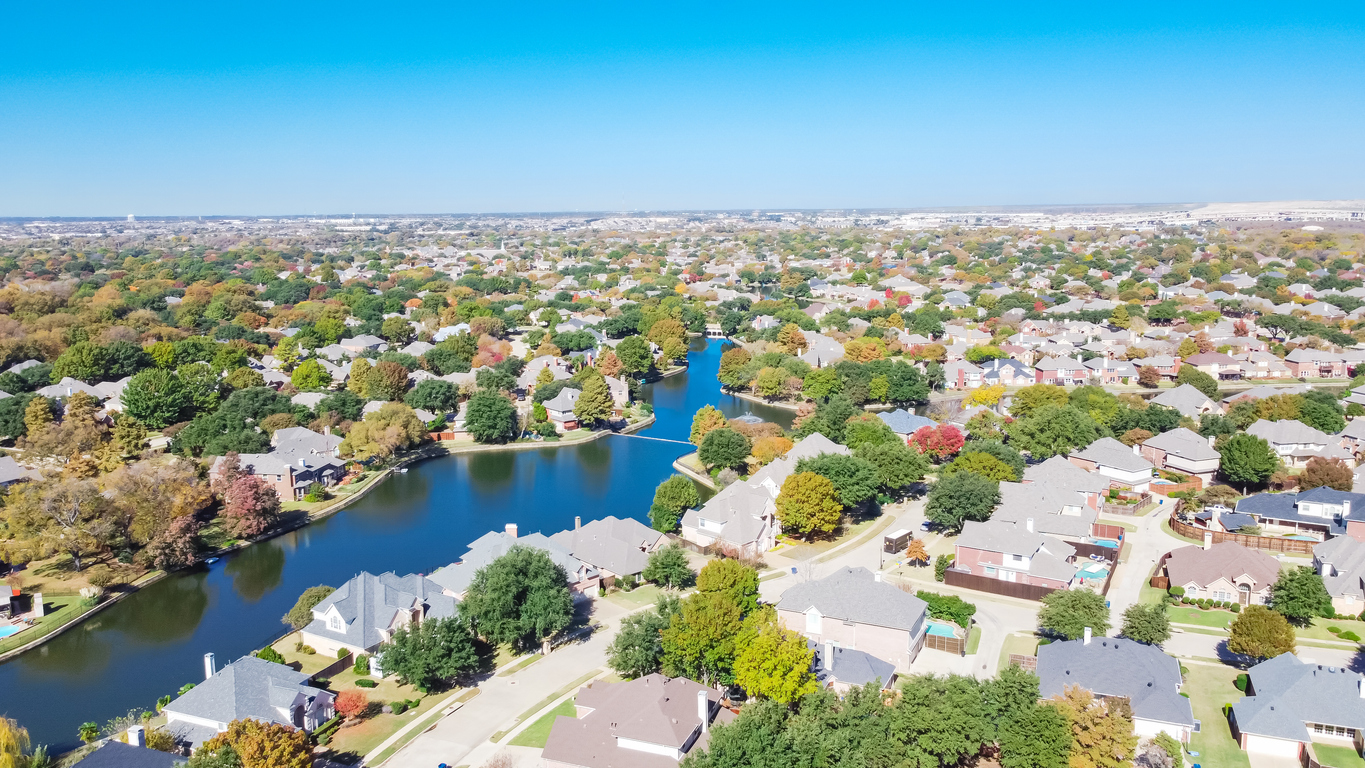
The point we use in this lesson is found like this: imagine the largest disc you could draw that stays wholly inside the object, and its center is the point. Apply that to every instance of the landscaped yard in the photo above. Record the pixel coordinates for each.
(1210, 687)
(308, 663)
(1024, 645)
(1221, 619)
(1151, 595)
(1188, 614)
(1337, 757)
(798, 550)
(636, 598)
(361, 738)
(1318, 631)
(62, 609)
(537, 733)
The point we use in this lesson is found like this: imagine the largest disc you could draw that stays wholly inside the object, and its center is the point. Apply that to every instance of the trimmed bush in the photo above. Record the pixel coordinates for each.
(1241, 682)
(362, 664)
(1236, 608)
(398, 707)
(1176, 591)
(270, 654)
(1353, 637)
(342, 653)
(1334, 630)
(365, 682)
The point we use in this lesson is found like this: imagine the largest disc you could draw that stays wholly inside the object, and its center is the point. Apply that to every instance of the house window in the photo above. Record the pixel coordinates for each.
(334, 623)
(1016, 558)
(990, 570)
(814, 624)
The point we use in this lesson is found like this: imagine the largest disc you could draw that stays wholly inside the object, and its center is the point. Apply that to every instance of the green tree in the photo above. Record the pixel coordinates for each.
(732, 365)
(359, 381)
(202, 385)
(1030, 399)
(1299, 595)
(1146, 623)
(1260, 633)
(982, 464)
(397, 330)
(1067, 612)
(733, 579)
(344, 404)
(723, 448)
(84, 361)
(868, 429)
(672, 497)
(310, 375)
(1053, 431)
(773, 662)
(700, 640)
(634, 354)
(301, 615)
(391, 428)
(490, 417)
(520, 598)
(855, 480)
(707, 418)
(1039, 737)
(1097, 403)
(668, 567)
(830, 418)
(942, 720)
(897, 465)
(594, 404)
(808, 503)
(387, 380)
(1247, 459)
(155, 397)
(434, 395)
(637, 650)
(820, 383)
(961, 497)
(1321, 411)
(1199, 380)
(434, 651)
(1119, 318)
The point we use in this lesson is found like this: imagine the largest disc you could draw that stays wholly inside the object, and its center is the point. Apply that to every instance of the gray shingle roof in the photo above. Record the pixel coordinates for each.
(620, 546)
(456, 577)
(1045, 504)
(1290, 693)
(1047, 554)
(368, 605)
(1112, 666)
(1184, 443)
(851, 667)
(1347, 557)
(1288, 431)
(853, 594)
(1185, 399)
(652, 709)
(1108, 452)
(1057, 472)
(903, 422)
(246, 688)
(116, 754)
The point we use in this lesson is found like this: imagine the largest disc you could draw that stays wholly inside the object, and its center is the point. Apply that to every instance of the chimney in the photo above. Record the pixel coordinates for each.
(1361, 686)
(829, 656)
(577, 522)
(137, 736)
(37, 605)
(704, 710)
(511, 529)
(1208, 540)
(877, 576)
(327, 430)
(1087, 636)
(208, 666)
(1345, 508)
(1028, 525)
(1211, 439)
(303, 463)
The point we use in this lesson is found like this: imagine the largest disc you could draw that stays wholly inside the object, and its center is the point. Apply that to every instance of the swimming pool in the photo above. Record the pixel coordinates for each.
(1093, 571)
(941, 629)
(1111, 543)
(6, 631)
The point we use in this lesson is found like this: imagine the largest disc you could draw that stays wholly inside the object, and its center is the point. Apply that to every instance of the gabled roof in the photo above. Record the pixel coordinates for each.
(116, 754)
(455, 578)
(1047, 554)
(1184, 443)
(1112, 666)
(1227, 560)
(1060, 473)
(1290, 692)
(652, 709)
(853, 594)
(1185, 399)
(620, 546)
(247, 688)
(368, 605)
(1288, 431)
(903, 422)
(850, 667)
(1347, 557)
(1108, 452)
(1045, 504)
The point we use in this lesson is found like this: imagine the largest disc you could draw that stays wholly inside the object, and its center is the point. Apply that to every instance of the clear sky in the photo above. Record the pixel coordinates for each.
(281, 107)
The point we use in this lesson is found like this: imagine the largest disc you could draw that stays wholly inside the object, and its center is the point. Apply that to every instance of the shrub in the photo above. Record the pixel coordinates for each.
(948, 607)
(351, 703)
(365, 682)
(343, 653)
(324, 739)
(1334, 630)
(270, 654)
(398, 707)
(1353, 637)
(362, 664)
(1176, 591)
(307, 650)
(941, 565)
(1241, 682)
(1236, 608)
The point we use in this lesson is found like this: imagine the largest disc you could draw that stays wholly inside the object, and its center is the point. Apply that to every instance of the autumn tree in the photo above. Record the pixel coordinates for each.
(1101, 729)
(1260, 633)
(1149, 377)
(609, 364)
(938, 442)
(1332, 473)
(392, 428)
(259, 744)
(1031, 398)
(792, 339)
(707, 418)
(359, 381)
(351, 703)
(773, 662)
(301, 615)
(916, 552)
(808, 503)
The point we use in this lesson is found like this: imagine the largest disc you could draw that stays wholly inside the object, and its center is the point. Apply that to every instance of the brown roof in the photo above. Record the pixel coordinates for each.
(1227, 559)
(653, 709)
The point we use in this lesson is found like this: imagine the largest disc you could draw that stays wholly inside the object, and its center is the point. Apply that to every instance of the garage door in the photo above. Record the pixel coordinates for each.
(1268, 746)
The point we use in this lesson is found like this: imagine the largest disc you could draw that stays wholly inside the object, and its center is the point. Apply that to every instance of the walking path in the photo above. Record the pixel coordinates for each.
(660, 439)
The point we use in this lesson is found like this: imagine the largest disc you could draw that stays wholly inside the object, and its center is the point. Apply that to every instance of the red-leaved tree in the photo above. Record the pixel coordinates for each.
(175, 546)
(352, 703)
(251, 506)
(938, 442)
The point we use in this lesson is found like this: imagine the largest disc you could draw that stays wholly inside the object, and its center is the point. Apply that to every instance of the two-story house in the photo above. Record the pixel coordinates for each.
(1063, 371)
(1015, 553)
(1116, 461)
(247, 689)
(363, 613)
(1183, 451)
(853, 608)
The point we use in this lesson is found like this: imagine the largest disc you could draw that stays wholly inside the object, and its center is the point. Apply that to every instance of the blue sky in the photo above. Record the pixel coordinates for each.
(280, 108)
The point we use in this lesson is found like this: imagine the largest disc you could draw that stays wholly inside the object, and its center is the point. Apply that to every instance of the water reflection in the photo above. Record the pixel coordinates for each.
(490, 473)
(80, 653)
(256, 570)
(160, 616)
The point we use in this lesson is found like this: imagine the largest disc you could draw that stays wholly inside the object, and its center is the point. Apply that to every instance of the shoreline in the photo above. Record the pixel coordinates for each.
(693, 474)
(431, 451)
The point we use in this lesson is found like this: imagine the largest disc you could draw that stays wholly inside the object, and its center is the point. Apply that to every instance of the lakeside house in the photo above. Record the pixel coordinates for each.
(614, 546)
(366, 611)
(584, 579)
(299, 457)
(248, 688)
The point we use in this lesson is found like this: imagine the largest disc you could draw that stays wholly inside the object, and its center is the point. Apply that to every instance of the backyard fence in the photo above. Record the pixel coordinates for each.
(1029, 663)
(1107, 531)
(1268, 543)
(954, 645)
(967, 580)
(1160, 582)
(340, 665)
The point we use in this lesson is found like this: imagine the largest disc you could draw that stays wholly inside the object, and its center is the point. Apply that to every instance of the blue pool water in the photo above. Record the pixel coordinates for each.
(942, 630)
(1093, 571)
(9, 630)
(1111, 543)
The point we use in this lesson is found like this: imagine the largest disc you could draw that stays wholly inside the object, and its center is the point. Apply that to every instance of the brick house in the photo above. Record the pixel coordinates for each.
(1063, 371)
(1015, 553)
(853, 608)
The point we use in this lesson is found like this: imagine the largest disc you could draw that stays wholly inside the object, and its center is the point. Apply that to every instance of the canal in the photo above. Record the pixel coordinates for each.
(153, 642)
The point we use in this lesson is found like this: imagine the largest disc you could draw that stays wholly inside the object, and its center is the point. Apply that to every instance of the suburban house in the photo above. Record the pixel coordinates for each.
(1004, 370)
(1188, 401)
(454, 579)
(960, 374)
(1226, 571)
(1059, 474)
(1107, 370)
(116, 754)
(1111, 667)
(1122, 465)
(1322, 512)
(1183, 451)
(1015, 553)
(1291, 704)
(1340, 562)
(1295, 442)
(11, 472)
(615, 547)
(560, 409)
(853, 608)
(845, 668)
(1220, 366)
(298, 458)
(1305, 363)
(367, 610)
(905, 423)
(650, 722)
(1061, 370)
(249, 688)
(743, 515)
(1353, 436)
(1167, 366)
(1054, 511)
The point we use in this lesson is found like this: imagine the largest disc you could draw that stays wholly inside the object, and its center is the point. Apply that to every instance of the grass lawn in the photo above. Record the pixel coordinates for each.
(805, 551)
(1337, 757)
(974, 640)
(1166, 528)
(61, 610)
(362, 737)
(1024, 645)
(1186, 614)
(309, 664)
(1150, 595)
(520, 665)
(636, 598)
(1318, 631)
(1210, 688)
(537, 733)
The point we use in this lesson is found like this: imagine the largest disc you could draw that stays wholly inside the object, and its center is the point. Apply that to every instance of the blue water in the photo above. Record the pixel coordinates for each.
(153, 642)
(940, 629)
(1111, 543)
(8, 630)
(1093, 571)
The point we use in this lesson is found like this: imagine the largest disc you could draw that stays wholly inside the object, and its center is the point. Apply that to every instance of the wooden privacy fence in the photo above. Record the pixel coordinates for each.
(339, 665)
(1160, 582)
(1107, 531)
(967, 580)
(1268, 543)
(954, 645)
